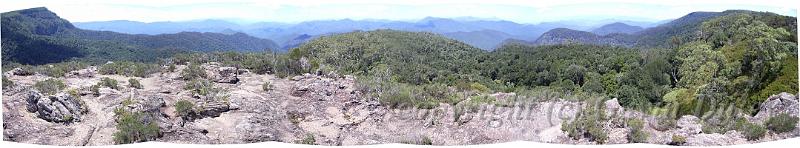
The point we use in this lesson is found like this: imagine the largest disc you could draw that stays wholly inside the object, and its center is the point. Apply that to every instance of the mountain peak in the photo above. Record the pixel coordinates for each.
(37, 20)
(617, 27)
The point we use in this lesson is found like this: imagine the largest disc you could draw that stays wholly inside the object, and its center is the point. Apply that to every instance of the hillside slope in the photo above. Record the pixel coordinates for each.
(39, 36)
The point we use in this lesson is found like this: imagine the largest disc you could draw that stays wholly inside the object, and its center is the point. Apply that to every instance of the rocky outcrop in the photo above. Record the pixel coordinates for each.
(689, 125)
(213, 108)
(83, 73)
(613, 108)
(321, 87)
(729, 138)
(61, 107)
(152, 107)
(220, 74)
(777, 104)
(618, 136)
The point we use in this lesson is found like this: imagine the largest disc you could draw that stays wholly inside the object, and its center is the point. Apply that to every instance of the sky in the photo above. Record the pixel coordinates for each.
(293, 11)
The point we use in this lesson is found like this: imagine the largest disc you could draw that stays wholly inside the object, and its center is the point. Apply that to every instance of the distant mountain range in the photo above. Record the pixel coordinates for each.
(675, 31)
(616, 28)
(484, 34)
(38, 36)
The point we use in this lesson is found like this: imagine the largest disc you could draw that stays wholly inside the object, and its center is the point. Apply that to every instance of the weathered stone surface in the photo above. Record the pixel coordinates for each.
(777, 104)
(220, 74)
(83, 73)
(327, 106)
(61, 107)
(689, 125)
(729, 138)
(613, 108)
(618, 136)
(213, 109)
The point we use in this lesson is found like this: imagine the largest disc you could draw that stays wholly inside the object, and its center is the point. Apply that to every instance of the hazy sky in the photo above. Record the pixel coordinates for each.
(304, 10)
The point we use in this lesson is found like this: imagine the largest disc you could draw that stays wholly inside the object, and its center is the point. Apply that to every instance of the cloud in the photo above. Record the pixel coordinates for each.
(304, 10)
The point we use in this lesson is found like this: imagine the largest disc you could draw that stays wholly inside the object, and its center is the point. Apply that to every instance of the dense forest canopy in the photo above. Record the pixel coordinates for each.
(704, 59)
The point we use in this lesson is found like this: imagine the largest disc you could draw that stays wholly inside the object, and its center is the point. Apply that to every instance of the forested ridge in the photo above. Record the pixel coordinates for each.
(38, 36)
(703, 59)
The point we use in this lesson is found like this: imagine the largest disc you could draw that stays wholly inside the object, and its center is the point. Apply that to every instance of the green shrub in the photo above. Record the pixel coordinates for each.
(678, 140)
(200, 87)
(134, 83)
(781, 123)
(108, 82)
(193, 71)
(267, 86)
(133, 127)
(588, 123)
(753, 131)
(309, 139)
(171, 68)
(95, 89)
(636, 134)
(475, 102)
(60, 69)
(184, 108)
(427, 141)
(50, 86)
(479, 87)
(7, 83)
(129, 69)
(425, 97)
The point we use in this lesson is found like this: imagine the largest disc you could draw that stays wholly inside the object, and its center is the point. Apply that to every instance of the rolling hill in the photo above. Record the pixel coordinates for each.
(677, 31)
(616, 28)
(39, 36)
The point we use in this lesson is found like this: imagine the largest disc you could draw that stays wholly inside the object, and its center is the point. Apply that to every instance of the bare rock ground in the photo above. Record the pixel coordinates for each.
(328, 108)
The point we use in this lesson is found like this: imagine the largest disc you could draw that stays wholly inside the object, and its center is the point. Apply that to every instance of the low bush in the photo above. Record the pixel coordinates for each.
(193, 71)
(134, 127)
(636, 134)
(426, 141)
(108, 82)
(200, 87)
(479, 87)
(50, 86)
(184, 108)
(678, 140)
(134, 83)
(753, 131)
(171, 68)
(267, 86)
(309, 139)
(588, 123)
(7, 83)
(60, 69)
(129, 69)
(781, 123)
(95, 89)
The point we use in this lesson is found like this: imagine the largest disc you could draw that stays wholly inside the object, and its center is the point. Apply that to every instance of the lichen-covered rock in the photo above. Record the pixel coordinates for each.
(618, 136)
(83, 73)
(613, 108)
(777, 104)
(319, 87)
(213, 109)
(729, 138)
(689, 125)
(220, 74)
(61, 107)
